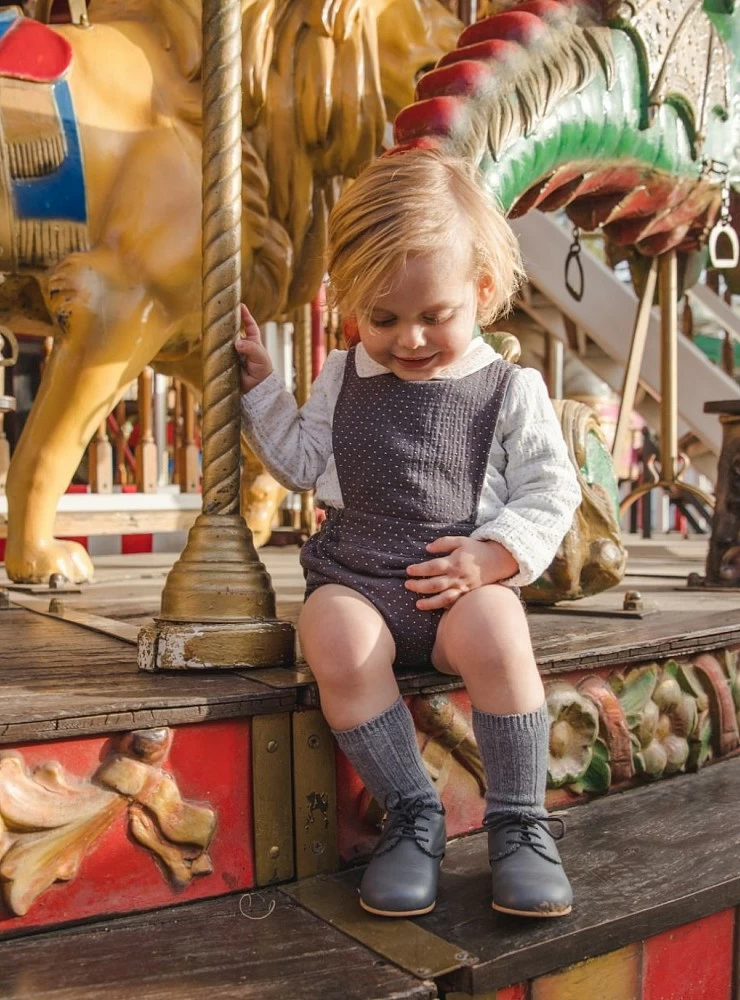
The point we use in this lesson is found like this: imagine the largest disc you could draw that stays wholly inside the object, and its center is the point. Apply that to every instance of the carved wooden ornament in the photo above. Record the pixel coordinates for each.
(49, 820)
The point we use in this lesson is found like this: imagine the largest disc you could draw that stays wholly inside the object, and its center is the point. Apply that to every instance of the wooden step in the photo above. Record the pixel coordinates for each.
(254, 947)
(59, 680)
(641, 863)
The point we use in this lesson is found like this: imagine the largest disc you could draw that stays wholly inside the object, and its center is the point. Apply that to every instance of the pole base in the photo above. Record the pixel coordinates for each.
(218, 606)
(242, 645)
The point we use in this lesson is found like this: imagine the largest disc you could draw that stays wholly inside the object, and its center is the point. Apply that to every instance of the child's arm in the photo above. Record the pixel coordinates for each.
(543, 490)
(295, 445)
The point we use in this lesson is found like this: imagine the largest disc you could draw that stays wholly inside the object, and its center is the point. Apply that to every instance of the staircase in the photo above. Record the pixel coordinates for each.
(606, 313)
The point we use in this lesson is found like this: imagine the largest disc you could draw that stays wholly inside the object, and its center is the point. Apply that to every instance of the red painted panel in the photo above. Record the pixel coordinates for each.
(517, 992)
(84, 542)
(211, 762)
(693, 962)
(132, 545)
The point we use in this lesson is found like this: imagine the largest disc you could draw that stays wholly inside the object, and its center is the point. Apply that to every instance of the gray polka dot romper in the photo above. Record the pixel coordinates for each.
(411, 460)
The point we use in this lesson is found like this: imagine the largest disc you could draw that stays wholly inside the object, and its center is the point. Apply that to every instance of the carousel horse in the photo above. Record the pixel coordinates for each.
(100, 192)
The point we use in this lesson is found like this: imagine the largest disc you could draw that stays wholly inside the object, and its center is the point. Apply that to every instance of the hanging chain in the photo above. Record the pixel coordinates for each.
(574, 260)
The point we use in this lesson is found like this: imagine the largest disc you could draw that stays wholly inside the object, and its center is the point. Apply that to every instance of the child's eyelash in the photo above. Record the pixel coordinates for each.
(431, 320)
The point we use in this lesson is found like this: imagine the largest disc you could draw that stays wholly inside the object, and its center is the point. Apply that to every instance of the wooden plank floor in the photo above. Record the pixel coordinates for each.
(640, 862)
(58, 679)
(204, 951)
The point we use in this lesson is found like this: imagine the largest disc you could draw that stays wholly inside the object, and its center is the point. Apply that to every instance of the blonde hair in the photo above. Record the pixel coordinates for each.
(408, 205)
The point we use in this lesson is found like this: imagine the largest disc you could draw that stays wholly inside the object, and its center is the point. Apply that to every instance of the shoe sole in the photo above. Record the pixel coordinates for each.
(531, 913)
(397, 913)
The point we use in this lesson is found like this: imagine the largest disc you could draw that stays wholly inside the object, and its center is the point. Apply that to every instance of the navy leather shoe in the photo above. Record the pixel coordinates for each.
(402, 877)
(528, 876)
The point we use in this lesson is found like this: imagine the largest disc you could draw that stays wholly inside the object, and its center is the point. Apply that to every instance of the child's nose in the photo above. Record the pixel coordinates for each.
(411, 337)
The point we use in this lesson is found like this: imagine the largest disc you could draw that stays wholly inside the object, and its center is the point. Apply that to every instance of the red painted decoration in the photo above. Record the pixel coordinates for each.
(492, 50)
(464, 78)
(211, 762)
(133, 545)
(32, 51)
(516, 992)
(726, 733)
(692, 961)
(437, 116)
(514, 25)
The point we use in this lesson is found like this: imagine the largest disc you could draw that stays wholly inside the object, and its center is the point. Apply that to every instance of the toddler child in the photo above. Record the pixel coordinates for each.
(447, 486)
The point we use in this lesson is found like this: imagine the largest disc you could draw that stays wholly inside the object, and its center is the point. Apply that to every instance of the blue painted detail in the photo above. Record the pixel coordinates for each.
(7, 20)
(61, 195)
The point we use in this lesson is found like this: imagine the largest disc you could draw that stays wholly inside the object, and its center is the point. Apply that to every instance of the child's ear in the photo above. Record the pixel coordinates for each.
(350, 330)
(486, 291)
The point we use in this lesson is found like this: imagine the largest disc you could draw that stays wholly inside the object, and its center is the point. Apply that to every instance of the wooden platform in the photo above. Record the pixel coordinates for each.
(640, 862)
(57, 679)
(643, 863)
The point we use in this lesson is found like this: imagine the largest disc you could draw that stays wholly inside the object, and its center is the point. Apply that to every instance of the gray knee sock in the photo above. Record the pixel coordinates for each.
(514, 750)
(385, 754)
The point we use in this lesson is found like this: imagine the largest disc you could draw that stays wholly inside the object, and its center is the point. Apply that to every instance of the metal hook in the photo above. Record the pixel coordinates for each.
(574, 257)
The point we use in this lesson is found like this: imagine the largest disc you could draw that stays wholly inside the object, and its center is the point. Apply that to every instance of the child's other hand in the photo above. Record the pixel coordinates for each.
(254, 360)
(469, 564)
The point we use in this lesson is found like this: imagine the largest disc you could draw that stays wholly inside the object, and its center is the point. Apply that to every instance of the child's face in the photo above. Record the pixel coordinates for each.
(425, 322)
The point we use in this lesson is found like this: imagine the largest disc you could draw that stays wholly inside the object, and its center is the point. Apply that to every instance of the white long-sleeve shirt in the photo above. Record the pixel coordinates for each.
(530, 492)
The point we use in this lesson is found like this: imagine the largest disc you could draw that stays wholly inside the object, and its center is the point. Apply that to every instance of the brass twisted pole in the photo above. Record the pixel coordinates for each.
(218, 605)
(222, 194)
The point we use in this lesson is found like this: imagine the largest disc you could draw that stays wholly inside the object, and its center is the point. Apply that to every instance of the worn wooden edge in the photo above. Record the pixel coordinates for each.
(527, 957)
(402, 942)
(432, 682)
(551, 956)
(46, 730)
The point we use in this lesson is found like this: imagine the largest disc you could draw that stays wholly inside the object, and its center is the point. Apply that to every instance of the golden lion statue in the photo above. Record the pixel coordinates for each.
(320, 81)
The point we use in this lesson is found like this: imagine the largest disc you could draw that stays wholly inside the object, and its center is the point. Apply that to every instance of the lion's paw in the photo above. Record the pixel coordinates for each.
(36, 563)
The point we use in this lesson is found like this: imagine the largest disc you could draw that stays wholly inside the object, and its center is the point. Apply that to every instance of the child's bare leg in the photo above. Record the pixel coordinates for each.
(484, 638)
(351, 652)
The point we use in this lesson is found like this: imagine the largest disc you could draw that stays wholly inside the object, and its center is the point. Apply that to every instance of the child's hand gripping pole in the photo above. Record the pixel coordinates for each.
(254, 360)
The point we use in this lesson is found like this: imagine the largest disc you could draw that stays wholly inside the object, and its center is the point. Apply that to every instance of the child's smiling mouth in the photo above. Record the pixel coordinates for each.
(414, 362)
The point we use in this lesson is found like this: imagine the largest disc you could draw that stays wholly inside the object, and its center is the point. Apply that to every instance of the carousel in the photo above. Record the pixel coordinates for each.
(176, 820)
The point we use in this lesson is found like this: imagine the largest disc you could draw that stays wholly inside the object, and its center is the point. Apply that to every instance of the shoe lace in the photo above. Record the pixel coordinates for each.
(526, 831)
(404, 822)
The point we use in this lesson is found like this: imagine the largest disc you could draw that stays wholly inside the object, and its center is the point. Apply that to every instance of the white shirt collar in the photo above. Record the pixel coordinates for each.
(477, 355)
